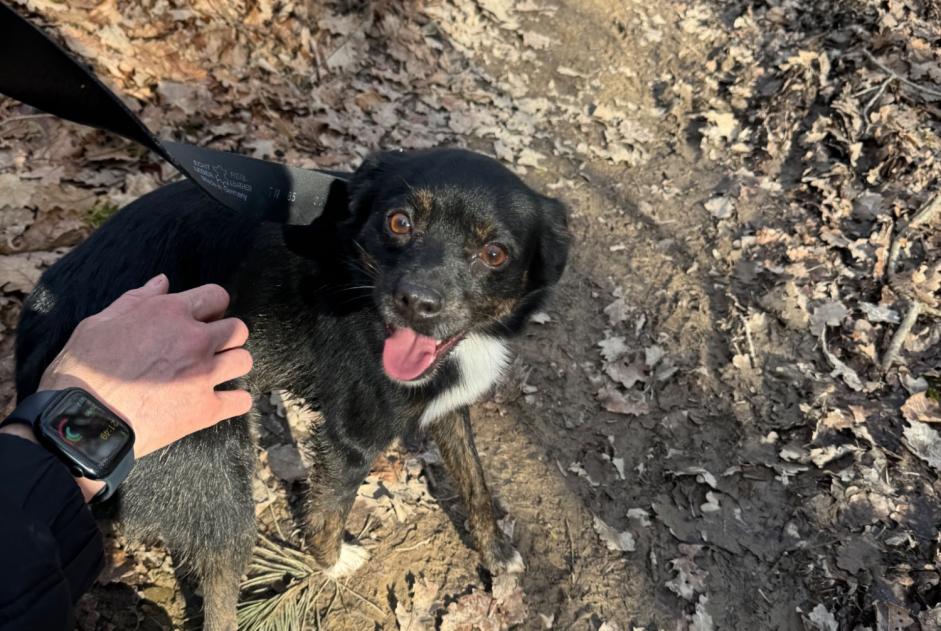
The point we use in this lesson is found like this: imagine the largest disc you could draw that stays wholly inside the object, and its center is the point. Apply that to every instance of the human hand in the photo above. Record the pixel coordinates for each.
(155, 358)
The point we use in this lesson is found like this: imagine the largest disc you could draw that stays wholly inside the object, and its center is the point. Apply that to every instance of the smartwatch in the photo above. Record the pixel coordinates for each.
(90, 439)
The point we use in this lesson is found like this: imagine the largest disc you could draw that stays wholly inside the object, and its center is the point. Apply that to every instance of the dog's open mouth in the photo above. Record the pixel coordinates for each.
(408, 355)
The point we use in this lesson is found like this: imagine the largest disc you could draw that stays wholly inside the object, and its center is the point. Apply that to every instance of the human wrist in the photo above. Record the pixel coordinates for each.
(88, 488)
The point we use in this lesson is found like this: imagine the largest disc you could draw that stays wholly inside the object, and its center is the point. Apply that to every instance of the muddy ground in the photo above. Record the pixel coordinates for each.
(698, 433)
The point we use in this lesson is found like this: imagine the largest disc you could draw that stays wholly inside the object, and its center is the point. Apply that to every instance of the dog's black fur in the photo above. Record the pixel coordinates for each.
(319, 301)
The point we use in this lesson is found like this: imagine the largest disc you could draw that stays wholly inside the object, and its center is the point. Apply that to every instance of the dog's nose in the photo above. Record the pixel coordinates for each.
(417, 301)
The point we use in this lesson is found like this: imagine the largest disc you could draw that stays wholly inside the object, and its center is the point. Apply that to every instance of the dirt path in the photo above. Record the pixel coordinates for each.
(672, 447)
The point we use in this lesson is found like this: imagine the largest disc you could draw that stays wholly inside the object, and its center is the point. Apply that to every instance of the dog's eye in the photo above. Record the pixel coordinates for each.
(493, 254)
(400, 224)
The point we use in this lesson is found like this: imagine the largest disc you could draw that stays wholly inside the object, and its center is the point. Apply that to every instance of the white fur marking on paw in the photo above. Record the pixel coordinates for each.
(352, 557)
(515, 565)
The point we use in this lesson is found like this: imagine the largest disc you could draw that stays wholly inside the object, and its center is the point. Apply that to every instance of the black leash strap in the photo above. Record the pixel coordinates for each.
(37, 71)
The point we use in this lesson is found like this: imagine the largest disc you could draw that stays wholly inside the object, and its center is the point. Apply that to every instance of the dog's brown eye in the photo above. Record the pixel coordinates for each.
(400, 224)
(493, 254)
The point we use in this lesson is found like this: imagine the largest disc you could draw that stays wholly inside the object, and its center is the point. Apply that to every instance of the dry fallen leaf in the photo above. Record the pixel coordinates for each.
(536, 40)
(627, 374)
(822, 620)
(653, 354)
(420, 616)
(721, 126)
(700, 620)
(617, 311)
(879, 313)
(612, 348)
(21, 272)
(828, 314)
(690, 579)
(479, 611)
(615, 541)
(840, 370)
(924, 442)
(720, 207)
(540, 317)
(631, 403)
(17, 192)
(919, 407)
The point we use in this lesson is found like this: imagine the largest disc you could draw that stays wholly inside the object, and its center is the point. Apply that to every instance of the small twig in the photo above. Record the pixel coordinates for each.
(24, 117)
(899, 77)
(865, 91)
(751, 343)
(363, 599)
(874, 99)
(926, 214)
(901, 333)
(568, 531)
(274, 518)
(415, 546)
(333, 599)
(365, 527)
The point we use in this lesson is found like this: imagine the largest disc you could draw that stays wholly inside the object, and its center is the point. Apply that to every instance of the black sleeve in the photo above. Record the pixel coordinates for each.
(50, 547)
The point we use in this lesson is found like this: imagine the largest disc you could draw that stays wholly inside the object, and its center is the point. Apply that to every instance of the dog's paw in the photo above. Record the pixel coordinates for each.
(503, 558)
(514, 565)
(352, 557)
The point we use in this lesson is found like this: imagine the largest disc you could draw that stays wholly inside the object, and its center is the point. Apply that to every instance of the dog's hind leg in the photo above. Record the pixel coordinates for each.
(455, 439)
(196, 495)
(219, 573)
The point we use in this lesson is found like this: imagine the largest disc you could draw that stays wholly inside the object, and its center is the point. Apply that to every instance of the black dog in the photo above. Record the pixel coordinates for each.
(393, 317)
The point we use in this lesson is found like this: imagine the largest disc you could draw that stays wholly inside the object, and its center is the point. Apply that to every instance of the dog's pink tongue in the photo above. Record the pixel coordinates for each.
(406, 354)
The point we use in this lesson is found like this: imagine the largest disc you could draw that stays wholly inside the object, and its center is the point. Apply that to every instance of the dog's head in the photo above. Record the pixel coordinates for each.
(454, 244)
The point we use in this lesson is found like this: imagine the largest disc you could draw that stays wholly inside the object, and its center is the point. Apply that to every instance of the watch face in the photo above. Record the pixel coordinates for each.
(92, 436)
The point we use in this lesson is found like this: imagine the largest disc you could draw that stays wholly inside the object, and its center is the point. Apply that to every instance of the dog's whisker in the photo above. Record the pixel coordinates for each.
(371, 273)
(503, 324)
(350, 300)
(367, 257)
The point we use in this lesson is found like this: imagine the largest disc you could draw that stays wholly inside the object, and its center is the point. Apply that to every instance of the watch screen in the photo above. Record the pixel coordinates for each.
(86, 431)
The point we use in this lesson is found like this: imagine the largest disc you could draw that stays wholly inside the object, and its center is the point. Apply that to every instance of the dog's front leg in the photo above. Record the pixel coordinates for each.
(455, 439)
(335, 474)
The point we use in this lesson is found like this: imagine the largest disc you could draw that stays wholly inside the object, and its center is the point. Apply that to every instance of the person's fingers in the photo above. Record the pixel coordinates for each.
(231, 364)
(159, 284)
(227, 333)
(206, 302)
(232, 403)
(156, 286)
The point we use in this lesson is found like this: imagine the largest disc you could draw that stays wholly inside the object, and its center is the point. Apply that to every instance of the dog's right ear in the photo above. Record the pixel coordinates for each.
(364, 187)
(347, 207)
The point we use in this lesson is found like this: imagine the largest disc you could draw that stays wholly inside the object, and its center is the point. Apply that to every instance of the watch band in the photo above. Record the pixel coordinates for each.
(121, 470)
(30, 409)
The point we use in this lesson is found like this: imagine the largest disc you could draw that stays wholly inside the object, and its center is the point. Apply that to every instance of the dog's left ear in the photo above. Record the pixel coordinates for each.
(553, 249)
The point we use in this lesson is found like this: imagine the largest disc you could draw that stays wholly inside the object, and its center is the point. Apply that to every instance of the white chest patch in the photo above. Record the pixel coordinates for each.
(481, 361)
